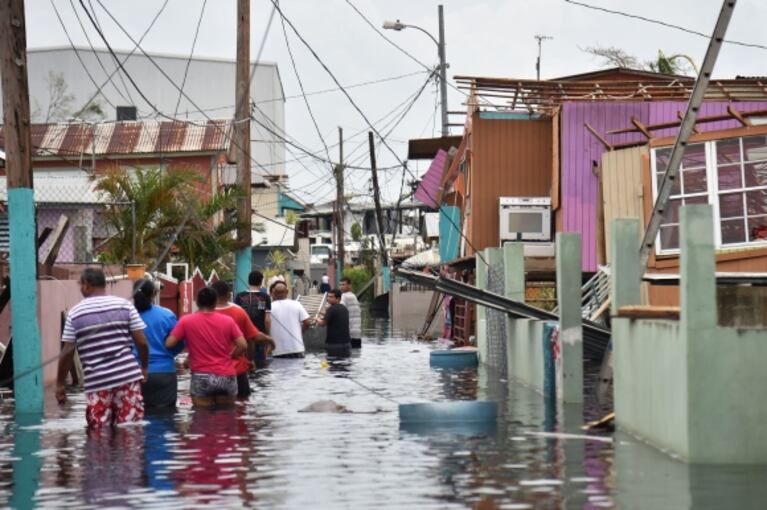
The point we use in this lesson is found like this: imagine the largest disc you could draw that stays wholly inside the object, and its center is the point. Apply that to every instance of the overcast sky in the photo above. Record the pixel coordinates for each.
(484, 38)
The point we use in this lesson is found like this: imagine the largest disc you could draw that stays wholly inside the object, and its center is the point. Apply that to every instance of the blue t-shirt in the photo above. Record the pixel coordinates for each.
(159, 323)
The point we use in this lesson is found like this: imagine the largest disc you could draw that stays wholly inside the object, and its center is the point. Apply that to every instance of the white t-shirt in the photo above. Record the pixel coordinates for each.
(349, 300)
(287, 316)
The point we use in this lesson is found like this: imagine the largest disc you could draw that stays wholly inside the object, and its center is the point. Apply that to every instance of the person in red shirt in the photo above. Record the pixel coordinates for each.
(213, 341)
(249, 331)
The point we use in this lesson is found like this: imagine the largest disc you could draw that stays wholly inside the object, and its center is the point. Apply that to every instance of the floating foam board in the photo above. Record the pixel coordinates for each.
(454, 358)
(442, 413)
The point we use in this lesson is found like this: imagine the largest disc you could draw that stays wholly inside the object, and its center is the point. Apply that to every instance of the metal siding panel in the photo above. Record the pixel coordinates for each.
(103, 136)
(666, 111)
(510, 158)
(52, 139)
(580, 148)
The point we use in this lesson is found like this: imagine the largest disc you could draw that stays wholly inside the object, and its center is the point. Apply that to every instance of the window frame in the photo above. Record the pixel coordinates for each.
(713, 192)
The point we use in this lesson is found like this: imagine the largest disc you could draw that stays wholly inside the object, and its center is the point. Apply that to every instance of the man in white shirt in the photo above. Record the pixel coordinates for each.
(349, 300)
(289, 320)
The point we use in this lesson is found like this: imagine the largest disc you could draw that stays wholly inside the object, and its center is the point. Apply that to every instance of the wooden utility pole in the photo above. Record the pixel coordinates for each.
(28, 390)
(377, 199)
(241, 137)
(340, 250)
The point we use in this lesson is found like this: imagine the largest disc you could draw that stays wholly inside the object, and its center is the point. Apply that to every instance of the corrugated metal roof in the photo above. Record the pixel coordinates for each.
(428, 189)
(115, 138)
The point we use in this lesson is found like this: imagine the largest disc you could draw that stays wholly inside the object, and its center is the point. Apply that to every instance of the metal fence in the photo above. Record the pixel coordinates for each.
(496, 321)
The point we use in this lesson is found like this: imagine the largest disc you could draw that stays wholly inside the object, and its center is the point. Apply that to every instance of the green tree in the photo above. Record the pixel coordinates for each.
(166, 208)
(667, 64)
(59, 104)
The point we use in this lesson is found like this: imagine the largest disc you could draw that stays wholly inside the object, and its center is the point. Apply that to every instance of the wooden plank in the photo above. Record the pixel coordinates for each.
(739, 116)
(599, 137)
(641, 127)
(49, 257)
(649, 312)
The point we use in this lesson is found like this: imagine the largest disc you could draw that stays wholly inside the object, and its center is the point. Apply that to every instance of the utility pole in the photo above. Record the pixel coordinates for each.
(377, 199)
(540, 38)
(28, 391)
(442, 72)
(241, 135)
(340, 250)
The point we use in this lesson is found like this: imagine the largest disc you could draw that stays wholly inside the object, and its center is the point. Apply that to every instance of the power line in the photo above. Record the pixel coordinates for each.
(663, 24)
(191, 54)
(367, 121)
(135, 47)
(98, 59)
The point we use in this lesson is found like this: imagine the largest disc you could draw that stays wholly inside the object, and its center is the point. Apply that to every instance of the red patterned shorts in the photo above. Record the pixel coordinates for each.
(121, 404)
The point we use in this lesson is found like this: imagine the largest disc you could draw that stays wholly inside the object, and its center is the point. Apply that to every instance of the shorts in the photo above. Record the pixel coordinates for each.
(243, 385)
(121, 404)
(212, 385)
(338, 350)
(160, 390)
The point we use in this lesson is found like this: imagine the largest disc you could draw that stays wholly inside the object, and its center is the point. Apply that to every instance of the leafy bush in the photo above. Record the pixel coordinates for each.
(359, 276)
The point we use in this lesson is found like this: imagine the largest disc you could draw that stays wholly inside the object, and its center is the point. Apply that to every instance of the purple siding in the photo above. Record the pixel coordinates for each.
(579, 149)
(428, 190)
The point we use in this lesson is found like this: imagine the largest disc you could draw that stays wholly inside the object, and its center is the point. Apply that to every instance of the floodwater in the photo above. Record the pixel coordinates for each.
(265, 454)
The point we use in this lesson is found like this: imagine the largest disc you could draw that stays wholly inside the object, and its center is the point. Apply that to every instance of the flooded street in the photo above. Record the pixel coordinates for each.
(267, 454)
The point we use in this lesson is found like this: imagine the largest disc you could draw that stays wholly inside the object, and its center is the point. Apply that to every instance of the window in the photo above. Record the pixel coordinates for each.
(731, 175)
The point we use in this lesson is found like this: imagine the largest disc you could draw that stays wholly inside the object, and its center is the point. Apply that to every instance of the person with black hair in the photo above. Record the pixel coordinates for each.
(213, 341)
(249, 331)
(104, 330)
(161, 387)
(257, 303)
(338, 343)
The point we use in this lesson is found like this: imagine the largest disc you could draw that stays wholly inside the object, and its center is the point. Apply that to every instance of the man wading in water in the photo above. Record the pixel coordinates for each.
(336, 318)
(104, 329)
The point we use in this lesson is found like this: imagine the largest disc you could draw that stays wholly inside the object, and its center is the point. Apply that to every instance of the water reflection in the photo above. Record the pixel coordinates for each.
(264, 453)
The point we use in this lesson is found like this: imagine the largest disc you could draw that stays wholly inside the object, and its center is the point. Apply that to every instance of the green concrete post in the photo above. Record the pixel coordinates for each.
(514, 271)
(28, 390)
(243, 260)
(480, 330)
(697, 286)
(570, 322)
(625, 280)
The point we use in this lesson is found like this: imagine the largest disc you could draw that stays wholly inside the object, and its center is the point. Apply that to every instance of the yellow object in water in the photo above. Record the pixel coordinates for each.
(324, 364)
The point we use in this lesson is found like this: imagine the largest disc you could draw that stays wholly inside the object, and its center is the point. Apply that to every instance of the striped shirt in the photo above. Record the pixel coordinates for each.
(101, 327)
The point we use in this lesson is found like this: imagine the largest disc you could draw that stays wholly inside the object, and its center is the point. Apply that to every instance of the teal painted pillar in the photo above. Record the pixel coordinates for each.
(625, 277)
(449, 232)
(339, 272)
(697, 286)
(386, 277)
(481, 283)
(243, 261)
(28, 390)
(26, 470)
(514, 271)
(570, 377)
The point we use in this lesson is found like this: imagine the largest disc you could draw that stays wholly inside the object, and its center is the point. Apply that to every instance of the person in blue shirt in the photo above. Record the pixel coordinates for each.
(161, 388)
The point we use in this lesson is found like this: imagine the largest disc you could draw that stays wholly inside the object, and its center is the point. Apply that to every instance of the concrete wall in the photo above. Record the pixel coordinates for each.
(524, 352)
(688, 386)
(408, 308)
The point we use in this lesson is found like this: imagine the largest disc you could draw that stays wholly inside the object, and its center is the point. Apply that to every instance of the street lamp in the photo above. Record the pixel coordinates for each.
(398, 26)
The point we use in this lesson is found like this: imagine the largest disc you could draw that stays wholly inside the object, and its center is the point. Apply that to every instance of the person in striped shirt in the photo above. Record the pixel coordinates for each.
(104, 329)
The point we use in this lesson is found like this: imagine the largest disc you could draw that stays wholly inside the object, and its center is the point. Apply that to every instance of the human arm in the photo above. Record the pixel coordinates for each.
(303, 316)
(240, 347)
(66, 358)
(143, 351)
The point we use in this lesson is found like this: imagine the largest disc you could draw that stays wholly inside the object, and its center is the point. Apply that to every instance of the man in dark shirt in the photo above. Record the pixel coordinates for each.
(258, 304)
(338, 343)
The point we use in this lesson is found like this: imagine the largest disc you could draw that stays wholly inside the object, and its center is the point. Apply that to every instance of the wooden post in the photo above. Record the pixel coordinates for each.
(377, 199)
(241, 135)
(340, 224)
(21, 208)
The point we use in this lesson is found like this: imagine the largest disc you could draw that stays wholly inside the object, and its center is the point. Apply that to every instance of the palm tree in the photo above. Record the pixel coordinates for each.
(164, 209)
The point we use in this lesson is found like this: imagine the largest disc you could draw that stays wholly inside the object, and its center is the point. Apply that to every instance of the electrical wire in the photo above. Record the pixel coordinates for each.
(663, 24)
(365, 118)
(191, 54)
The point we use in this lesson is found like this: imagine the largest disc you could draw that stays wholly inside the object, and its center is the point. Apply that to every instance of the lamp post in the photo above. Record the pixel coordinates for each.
(398, 25)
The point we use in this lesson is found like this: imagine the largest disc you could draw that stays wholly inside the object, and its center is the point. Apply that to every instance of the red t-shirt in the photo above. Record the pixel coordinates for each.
(210, 341)
(249, 330)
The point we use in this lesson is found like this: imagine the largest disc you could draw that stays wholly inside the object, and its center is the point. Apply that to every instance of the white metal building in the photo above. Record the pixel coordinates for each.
(209, 84)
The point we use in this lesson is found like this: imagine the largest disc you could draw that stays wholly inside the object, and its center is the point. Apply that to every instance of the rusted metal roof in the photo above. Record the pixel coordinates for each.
(128, 138)
(514, 94)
